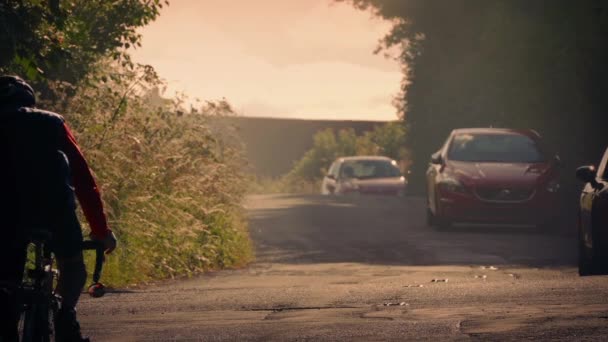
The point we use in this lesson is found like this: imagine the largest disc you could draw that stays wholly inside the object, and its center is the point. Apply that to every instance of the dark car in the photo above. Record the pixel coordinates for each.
(365, 176)
(491, 175)
(593, 219)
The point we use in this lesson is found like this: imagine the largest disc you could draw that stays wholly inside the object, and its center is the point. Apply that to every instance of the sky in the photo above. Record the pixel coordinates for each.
(306, 59)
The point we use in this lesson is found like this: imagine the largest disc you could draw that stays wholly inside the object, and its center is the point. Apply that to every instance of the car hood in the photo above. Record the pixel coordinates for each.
(500, 173)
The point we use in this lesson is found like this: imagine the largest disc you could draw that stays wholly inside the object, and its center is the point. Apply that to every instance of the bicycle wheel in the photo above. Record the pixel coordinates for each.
(36, 325)
(43, 328)
(27, 324)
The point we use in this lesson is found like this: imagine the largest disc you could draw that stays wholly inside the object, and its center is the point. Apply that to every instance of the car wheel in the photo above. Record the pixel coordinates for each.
(437, 221)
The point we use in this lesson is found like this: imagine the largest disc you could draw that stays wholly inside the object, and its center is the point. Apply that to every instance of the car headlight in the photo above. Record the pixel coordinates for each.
(450, 184)
(553, 186)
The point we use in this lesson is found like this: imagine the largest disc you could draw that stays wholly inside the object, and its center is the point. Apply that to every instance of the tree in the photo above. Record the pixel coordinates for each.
(315, 161)
(523, 64)
(390, 140)
(60, 40)
(386, 140)
(172, 179)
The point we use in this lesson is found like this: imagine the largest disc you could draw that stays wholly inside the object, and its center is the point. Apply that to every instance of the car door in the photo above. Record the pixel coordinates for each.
(594, 208)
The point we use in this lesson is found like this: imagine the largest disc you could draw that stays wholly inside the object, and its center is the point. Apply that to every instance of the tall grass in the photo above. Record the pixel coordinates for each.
(171, 179)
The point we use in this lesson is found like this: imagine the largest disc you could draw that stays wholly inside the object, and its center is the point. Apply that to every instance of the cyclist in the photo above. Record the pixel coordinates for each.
(41, 172)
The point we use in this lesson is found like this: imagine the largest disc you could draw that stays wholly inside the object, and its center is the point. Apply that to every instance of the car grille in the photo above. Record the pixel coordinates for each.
(504, 194)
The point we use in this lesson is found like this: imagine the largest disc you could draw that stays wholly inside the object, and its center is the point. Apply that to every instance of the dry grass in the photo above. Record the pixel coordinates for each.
(171, 179)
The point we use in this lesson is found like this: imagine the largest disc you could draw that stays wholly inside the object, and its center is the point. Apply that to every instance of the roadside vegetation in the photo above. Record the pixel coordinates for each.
(171, 177)
(386, 140)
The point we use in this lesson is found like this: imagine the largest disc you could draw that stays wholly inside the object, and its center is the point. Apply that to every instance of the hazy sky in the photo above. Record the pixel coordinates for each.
(275, 58)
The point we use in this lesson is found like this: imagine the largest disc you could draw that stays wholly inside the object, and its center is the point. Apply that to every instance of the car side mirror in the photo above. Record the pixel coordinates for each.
(436, 158)
(588, 174)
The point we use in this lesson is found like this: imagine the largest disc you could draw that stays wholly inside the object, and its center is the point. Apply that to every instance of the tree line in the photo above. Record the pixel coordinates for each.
(386, 139)
(502, 63)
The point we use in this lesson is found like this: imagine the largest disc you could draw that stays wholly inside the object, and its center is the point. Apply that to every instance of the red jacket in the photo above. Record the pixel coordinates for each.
(85, 187)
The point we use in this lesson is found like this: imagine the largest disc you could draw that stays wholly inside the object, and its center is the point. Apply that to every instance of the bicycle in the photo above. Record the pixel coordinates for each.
(38, 303)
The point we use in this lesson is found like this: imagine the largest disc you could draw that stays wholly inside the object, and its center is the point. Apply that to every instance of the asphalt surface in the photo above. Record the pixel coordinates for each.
(369, 269)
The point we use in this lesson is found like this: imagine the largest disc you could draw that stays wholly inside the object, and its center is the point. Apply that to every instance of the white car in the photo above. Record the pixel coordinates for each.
(369, 175)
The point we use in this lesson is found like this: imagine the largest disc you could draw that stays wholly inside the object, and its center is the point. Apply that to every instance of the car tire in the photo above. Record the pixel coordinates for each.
(440, 223)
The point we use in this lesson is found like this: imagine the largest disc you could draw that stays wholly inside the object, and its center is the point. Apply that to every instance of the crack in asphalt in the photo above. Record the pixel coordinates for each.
(298, 308)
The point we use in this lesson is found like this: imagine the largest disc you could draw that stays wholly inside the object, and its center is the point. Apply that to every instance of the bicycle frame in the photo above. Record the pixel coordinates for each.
(38, 302)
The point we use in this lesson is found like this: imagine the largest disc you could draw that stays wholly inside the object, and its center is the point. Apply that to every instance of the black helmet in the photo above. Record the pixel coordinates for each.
(14, 91)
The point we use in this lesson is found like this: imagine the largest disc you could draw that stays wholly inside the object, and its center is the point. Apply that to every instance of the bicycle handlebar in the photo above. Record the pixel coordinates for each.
(96, 289)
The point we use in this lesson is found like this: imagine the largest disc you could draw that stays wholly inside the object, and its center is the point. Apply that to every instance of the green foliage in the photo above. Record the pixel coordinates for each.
(517, 63)
(387, 140)
(326, 147)
(62, 39)
(171, 179)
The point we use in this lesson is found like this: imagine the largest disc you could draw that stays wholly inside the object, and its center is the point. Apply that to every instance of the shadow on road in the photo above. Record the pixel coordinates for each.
(390, 231)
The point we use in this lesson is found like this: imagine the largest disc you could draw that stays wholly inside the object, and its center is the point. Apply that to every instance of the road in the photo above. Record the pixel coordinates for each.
(368, 269)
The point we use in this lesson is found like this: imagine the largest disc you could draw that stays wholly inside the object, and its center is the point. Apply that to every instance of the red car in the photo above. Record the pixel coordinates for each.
(364, 176)
(593, 219)
(490, 175)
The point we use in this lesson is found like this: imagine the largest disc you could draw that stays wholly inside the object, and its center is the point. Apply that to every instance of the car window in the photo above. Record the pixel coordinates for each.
(504, 148)
(366, 169)
(602, 170)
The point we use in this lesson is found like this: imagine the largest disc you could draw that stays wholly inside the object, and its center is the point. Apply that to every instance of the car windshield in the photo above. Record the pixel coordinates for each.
(367, 169)
(503, 148)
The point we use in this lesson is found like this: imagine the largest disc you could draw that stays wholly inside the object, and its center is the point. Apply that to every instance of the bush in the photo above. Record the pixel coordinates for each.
(386, 140)
(171, 180)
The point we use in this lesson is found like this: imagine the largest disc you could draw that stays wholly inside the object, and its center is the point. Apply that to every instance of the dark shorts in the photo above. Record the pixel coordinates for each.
(66, 242)
(67, 237)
